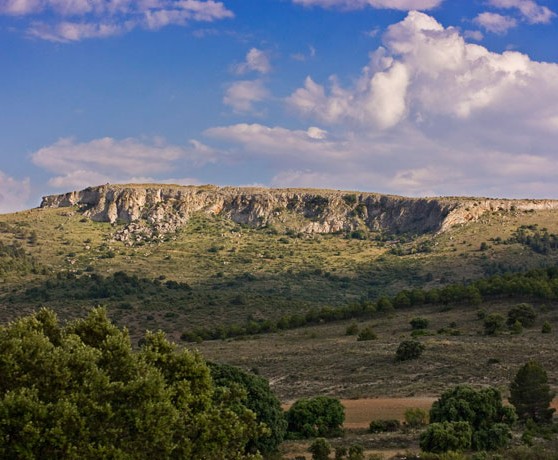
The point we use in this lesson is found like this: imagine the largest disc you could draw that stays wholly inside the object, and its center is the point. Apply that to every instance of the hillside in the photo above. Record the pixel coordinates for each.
(199, 256)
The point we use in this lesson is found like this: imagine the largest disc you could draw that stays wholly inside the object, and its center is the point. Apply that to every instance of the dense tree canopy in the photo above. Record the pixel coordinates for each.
(80, 392)
(258, 397)
(312, 417)
(483, 410)
(531, 395)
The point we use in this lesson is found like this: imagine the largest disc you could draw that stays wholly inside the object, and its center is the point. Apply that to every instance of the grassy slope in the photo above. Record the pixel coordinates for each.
(236, 273)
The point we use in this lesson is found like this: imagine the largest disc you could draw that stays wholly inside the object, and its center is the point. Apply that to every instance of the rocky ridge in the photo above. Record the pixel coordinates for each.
(150, 212)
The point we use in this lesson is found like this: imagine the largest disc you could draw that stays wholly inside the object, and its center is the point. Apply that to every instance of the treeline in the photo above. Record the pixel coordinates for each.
(92, 286)
(534, 284)
(535, 238)
(14, 258)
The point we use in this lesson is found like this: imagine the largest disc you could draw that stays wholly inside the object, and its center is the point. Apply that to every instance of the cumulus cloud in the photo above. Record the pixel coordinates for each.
(14, 194)
(430, 114)
(111, 160)
(405, 5)
(242, 95)
(532, 12)
(73, 20)
(494, 22)
(256, 61)
(425, 70)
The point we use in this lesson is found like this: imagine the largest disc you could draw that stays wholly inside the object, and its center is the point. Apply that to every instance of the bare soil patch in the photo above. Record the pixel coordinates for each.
(360, 412)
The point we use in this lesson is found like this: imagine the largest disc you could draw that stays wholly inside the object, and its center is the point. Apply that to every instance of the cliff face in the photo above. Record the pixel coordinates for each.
(158, 209)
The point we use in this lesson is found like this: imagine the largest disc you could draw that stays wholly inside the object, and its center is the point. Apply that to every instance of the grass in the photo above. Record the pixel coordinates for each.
(235, 274)
(238, 273)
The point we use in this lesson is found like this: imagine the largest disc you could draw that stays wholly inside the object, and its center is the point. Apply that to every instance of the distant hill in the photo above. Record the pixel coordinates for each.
(176, 258)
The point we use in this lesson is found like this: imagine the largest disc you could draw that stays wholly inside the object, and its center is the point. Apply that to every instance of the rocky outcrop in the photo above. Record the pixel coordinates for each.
(152, 211)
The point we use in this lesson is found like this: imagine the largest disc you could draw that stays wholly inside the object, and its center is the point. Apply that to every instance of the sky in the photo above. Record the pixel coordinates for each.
(407, 97)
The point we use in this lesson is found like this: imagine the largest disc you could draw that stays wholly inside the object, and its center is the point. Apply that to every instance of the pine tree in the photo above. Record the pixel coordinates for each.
(531, 395)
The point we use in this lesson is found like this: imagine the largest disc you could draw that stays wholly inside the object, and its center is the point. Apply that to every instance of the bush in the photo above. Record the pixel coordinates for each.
(546, 328)
(340, 452)
(384, 426)
(524, 313)
(493, 323)
(419, 323)
(320, 449)
(366, 334)
(481, 409)
(352, 329)
(446, 436)
(416, 417)
(356, 453)
(312, 417)
(530, 394)
(409, 349)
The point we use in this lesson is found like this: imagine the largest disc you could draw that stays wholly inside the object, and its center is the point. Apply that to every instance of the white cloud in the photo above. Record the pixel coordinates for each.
(494, 22)
(256, 61)
(429, 114)
(476, 35)
(405, 5)
(242, 95)
(530, 10)
(14, 194)
(73, 20)
(110, 160)
(277, 141)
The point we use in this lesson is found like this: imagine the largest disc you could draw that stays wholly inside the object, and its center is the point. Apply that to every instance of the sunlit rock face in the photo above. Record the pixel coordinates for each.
(156, 210)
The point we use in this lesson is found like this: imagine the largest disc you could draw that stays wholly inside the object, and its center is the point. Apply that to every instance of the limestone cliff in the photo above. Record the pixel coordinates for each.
(154, 210)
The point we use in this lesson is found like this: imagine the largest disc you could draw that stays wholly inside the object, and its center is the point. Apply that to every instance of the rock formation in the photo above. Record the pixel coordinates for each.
(152, 211)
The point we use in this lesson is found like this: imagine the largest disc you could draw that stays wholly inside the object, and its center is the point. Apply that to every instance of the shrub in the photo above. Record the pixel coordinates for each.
(352, 329)
(524, 313)
(409, 349)
(493, 323)
(530, 393)
(383, 426)
(366, 334)
(419, 323)
(517, 328)
(312, 417)
(356, 452)
(416, 417)
(481, 409)
(320, 449)
(546, 328)
(340, 452)
(446, 436)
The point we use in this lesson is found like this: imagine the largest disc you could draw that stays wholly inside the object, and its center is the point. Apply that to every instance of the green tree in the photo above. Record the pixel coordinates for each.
(530, 393)
(312, 417)
(446, 436)
(259, 398)
(481, 409)
(81, 392)
(409, 349)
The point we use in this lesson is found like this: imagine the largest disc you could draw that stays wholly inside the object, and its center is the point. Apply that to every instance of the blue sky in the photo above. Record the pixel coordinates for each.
(409, 97)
